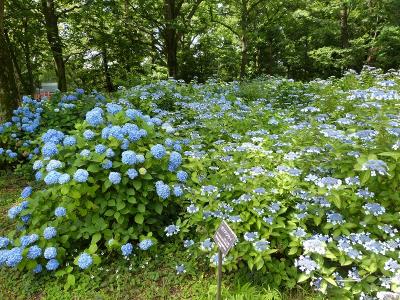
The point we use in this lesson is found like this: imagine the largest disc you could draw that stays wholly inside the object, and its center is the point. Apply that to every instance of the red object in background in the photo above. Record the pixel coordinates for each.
(40, 95)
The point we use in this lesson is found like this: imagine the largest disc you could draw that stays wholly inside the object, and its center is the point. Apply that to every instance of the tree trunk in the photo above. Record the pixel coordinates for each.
(171, 38)
(30, 83)
(18, 74)
(54, 39)
(109, 84)
(344, 29)
(243, 63)
(245, 40)
(8, 88)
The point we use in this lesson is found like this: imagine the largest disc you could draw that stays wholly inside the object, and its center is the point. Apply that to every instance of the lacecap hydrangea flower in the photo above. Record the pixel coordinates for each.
(145, 244)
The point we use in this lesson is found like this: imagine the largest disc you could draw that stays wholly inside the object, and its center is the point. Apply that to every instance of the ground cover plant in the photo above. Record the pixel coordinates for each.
(306, 174)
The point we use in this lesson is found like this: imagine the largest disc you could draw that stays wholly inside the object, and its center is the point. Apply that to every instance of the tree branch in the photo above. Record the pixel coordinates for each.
(223, 24)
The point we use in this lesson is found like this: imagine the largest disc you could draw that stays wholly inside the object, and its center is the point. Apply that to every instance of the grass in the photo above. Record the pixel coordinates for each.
(141, 278)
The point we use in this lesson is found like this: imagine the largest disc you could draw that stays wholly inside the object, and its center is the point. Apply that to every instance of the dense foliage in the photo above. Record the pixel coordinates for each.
(305, 174)
(104, 44)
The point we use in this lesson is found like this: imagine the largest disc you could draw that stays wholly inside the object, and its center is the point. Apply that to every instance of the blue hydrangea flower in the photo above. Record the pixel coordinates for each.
(127, 249)
(162, 190)
(180, 269)
(64, 178)
(14, 211)
(26, 240)
(132, 173)
(115, 177)
(84, 261)
(14, 257)
(110, 153)
(178, 192)
(52, 177)
(34, 252)
(182, 176)
(69, 141)
(85, 153)
(100, 149)
(50, 252)
(49, 233)
(88, 134)
(158, 151)
(113, 108)
(37, 269)
(37, 165)
(53, 165)
(26, 192)
(171, 230)
(49, 149)
(129, 157)
(52, 265)
(38, 176)
(175, 161)
(26, 218)
(145, 244)
(140, 158)
(53, 136)
(60, 212)
(107, 164)
(4, 242)
(95, 116)
(81, 175)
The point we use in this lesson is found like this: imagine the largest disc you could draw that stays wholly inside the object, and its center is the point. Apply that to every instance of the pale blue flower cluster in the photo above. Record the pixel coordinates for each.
(162, 190)
(127, 249)
(84, 261)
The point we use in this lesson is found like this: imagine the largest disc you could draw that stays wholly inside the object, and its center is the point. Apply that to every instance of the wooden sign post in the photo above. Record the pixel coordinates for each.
(225, 239)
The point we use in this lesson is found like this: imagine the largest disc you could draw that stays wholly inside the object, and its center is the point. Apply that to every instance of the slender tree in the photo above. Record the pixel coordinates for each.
(8, 88)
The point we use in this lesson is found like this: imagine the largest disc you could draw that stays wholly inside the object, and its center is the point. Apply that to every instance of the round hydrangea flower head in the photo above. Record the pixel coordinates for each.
(127, 249)
(84, 261)
(85, 153)
(114, 177)
(145, 244)
(178, 192)
(132, 173)
(26, 240)
(14, 257)
(60, 212)
(52, 177)
(26, 192)
(81, 175)
(49, 233)
(182, 176)
(129, 157)
(95, 116)
(34, 252)
(53, 165)
(88, 134)
(110, 153)
(100, 149)
(53, 136)
(107, 164)
(158, 151)
(50, 252)
(69, 141)
(4, 242)
(113, 108)
(64, 178)
(175, 161)
(49, 149)
(38, 176)
(14, 211)
(37, 269)
(52, 265)
(37, 165)
(140, 158)
(162, 190)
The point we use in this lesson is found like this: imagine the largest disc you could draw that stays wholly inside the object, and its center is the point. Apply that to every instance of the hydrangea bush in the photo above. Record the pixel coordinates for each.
(305, 174)
(18, 137)
(113, 183)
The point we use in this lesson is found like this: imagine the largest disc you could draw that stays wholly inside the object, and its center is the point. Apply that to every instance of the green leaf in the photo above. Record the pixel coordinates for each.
(71, 279)
(303, 277)
(96, 237)
(141, 208)
(139, 218)
(92, 249)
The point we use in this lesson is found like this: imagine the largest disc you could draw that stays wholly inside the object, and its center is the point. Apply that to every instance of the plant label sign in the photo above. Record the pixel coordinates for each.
(225, 238)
